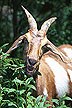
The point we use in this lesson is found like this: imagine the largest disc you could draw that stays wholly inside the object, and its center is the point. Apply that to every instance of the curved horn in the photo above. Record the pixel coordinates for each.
(46, 25)
(31, 20)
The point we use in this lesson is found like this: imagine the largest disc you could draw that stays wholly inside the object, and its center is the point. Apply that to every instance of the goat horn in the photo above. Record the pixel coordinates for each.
(31, 20)
(46, 25)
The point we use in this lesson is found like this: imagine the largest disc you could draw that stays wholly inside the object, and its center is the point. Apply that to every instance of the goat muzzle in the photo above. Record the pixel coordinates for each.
(32, 62)
(32, 66)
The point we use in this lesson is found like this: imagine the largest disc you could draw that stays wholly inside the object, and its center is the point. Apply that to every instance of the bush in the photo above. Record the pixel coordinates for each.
(16, 88)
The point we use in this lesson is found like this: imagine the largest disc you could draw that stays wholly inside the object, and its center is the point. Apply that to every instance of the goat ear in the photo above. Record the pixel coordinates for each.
(19, 41)
(45, 26)
(31, 20)
(57, 51)
(16, 44)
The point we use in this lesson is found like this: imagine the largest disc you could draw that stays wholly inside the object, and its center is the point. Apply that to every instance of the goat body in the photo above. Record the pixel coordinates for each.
(66, 49)
(56, 77)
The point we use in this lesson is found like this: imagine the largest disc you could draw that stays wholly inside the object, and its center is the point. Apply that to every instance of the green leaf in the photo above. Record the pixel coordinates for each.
(4, 56)
(21, 106)
(29, 106)
(32, 87)
(22, 91)
(67, 98)
(22, 82)
(64, 95)
(22, 65)
(4, 102)
(11, 90)
(28, 94)
(38, 99)
(14, 65)
(0, 51)
(47, 105)
(4, 45)
(12, 104)
(63, 102)
(29, 80)
(17, 81)
(16, 61)
(5, 89)
(21, 99)
(41, 104)
(44, 98)
(1, 98)
(1, 77)
(55, 101)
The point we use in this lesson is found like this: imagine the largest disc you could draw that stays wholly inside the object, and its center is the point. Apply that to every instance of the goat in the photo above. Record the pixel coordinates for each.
(66, 49)
(54, 66)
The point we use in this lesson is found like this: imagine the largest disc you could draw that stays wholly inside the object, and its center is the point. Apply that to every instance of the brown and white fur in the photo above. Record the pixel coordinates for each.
(66, 49)
(54, 66)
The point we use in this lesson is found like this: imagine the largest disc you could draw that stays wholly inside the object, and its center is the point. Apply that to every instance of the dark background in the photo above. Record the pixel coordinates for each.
(13, 21)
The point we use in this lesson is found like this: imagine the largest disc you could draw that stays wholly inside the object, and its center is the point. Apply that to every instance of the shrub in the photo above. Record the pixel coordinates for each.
(16, 88)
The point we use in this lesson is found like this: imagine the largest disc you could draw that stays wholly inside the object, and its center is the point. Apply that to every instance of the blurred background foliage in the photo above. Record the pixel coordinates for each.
(13, 21)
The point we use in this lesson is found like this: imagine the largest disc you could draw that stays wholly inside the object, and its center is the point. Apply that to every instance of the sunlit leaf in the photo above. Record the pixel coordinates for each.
(4, 45)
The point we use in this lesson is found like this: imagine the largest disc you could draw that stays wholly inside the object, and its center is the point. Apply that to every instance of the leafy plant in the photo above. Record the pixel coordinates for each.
(60, 103)
(16, 87)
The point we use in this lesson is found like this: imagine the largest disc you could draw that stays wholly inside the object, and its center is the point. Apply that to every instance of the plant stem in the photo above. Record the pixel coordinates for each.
(0, 95)
(0, 75)
(17, 95)
(26, 101)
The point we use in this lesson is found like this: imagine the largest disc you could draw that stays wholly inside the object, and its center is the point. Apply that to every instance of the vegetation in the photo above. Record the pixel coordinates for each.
(15, 86)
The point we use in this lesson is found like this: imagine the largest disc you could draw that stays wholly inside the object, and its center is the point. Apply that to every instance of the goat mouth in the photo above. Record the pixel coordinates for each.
(31, 70)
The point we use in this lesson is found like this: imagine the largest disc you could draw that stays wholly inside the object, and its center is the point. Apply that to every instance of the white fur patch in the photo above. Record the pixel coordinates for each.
(68, 51)
(61, 77)
(70, 73)
(45, 92)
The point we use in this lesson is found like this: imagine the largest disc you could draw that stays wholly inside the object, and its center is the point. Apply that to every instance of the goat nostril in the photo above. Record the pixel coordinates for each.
(32, 61)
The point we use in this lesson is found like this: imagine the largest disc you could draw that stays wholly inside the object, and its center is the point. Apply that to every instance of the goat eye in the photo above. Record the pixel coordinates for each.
(44, 49)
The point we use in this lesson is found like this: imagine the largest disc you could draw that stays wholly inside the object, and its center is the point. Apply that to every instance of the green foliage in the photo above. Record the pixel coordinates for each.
(61, 102)
(16, 87)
